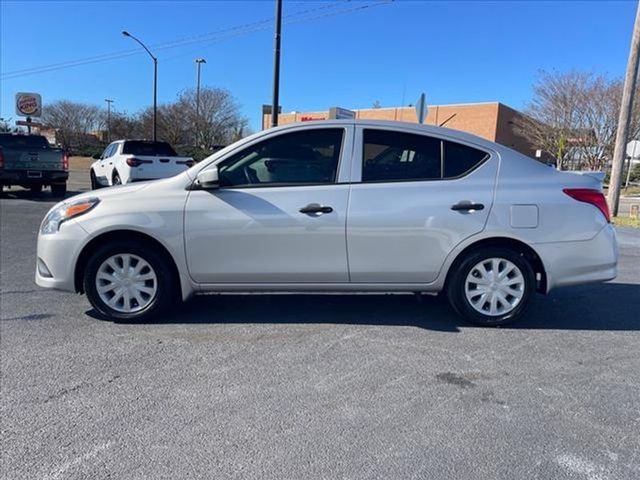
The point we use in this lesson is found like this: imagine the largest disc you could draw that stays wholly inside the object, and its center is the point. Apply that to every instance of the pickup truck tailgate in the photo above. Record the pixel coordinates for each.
(33, 160)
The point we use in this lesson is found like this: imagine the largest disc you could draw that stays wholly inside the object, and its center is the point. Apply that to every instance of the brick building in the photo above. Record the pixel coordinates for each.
(491, 120)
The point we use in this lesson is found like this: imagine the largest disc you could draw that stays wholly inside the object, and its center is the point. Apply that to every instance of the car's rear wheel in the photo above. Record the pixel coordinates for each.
(59, 190)
(125, 281)
(35, 188)
(492, 286)
(116, 179)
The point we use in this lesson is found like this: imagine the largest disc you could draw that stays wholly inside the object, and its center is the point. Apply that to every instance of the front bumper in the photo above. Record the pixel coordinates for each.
(57, 256)
(30, 177)
(573, 263)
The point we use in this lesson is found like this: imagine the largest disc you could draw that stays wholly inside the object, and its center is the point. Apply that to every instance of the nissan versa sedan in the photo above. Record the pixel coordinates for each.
(340, 206)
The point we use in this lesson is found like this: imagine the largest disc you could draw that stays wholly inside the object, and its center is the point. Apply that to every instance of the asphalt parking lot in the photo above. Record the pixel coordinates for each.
(327, 386)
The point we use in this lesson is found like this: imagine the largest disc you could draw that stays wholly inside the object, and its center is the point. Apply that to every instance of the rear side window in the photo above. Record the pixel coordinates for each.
(152, 149)
(460, 159)
(24, 141)
(398, 156)
(390, 156)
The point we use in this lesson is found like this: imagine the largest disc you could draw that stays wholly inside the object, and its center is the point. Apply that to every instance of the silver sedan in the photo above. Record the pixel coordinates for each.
(337, 206)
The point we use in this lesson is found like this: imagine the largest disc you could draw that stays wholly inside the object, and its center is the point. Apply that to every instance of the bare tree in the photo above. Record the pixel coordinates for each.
(73, 121)
(573, 116)
(219, 121)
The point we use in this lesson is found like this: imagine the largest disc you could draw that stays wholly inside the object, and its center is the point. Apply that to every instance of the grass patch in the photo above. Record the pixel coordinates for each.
(626, 222)
(630, 191)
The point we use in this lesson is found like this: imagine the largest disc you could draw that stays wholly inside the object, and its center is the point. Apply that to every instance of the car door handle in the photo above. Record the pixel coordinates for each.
(465, 206)
(315, 208)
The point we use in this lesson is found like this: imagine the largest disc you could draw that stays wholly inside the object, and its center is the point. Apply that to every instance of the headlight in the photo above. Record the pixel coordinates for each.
(66, 211)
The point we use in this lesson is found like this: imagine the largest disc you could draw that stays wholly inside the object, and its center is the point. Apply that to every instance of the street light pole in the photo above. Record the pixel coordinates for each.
(199, 62)
(155, 83)
(109, 102)
(276, 66)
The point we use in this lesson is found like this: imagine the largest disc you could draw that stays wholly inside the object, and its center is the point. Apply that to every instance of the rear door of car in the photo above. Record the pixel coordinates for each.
(413, 198)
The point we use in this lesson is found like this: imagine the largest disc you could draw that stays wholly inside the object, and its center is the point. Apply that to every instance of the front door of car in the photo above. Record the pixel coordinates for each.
(414, 198)
(99, 166)
(279, 214)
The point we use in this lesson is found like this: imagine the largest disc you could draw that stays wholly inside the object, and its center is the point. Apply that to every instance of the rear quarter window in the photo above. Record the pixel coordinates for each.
(461, 159)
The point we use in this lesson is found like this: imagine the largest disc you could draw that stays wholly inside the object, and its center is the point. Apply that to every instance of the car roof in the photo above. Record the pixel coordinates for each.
(415, 127)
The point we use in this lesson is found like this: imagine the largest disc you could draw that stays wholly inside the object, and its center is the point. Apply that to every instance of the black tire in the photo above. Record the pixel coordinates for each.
(456, 285)
(35, 188)
(94, 181)
(116, 179)
(59, 190)
(163, 300)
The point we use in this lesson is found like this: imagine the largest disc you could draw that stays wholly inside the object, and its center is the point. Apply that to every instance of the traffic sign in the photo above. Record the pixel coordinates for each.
(633, 149)
(421, 108)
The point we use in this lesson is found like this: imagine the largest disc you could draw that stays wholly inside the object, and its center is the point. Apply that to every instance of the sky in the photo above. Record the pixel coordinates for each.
(334, 53)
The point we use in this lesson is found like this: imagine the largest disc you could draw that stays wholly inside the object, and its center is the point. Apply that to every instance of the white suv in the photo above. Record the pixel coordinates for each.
(126, 161)
(337, 206)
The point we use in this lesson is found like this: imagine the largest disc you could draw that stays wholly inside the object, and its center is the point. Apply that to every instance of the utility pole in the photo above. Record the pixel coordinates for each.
(199, 62)
(625, 116)
(276, 66)
(109, 102)
(155, 83)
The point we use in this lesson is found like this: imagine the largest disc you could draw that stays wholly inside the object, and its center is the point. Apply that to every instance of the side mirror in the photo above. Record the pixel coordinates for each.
(208, 178)
(96, 156)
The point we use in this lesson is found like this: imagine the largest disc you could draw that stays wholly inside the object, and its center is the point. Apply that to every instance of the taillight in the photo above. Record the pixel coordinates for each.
(65, 162)
(1, 159)
(589, 195)
(136, 162)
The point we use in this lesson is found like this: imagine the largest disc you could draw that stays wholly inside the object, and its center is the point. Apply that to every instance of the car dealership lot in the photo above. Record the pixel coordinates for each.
(326, 386)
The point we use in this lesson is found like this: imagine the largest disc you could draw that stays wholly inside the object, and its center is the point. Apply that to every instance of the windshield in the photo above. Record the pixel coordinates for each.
(23, 141)
(152, 149)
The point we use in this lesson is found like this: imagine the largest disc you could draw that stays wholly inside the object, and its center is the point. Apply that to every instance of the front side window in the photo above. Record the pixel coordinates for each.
(110, 150)
(304, 157)
(396, 156)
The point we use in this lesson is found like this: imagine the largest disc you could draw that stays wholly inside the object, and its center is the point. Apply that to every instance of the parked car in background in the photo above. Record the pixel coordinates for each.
(338, 205)
(126, 161)
(31, 162)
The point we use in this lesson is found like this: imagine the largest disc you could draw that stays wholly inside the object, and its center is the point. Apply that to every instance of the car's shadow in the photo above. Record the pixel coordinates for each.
(44, 196)
(609, 306)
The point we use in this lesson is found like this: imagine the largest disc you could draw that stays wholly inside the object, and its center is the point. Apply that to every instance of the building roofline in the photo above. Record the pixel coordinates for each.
(467, 104)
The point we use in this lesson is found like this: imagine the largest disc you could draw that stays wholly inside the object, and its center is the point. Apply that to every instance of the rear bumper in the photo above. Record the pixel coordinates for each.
(573, 263)
(29, 177)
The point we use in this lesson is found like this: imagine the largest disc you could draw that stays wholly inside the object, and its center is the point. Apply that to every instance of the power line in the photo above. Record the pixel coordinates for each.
(205, 38)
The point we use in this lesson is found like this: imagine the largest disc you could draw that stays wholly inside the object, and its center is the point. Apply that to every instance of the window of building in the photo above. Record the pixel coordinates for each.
(304, 157)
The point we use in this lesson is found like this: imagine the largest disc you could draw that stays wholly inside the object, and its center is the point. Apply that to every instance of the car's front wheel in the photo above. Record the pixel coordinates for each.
(492, 286)
(94, 181)
(125, 281)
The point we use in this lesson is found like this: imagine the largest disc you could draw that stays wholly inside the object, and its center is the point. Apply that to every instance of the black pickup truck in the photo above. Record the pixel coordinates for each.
(31, 162)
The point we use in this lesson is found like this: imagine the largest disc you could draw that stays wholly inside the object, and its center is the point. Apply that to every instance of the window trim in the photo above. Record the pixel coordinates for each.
(360, 159)
(345, 142)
